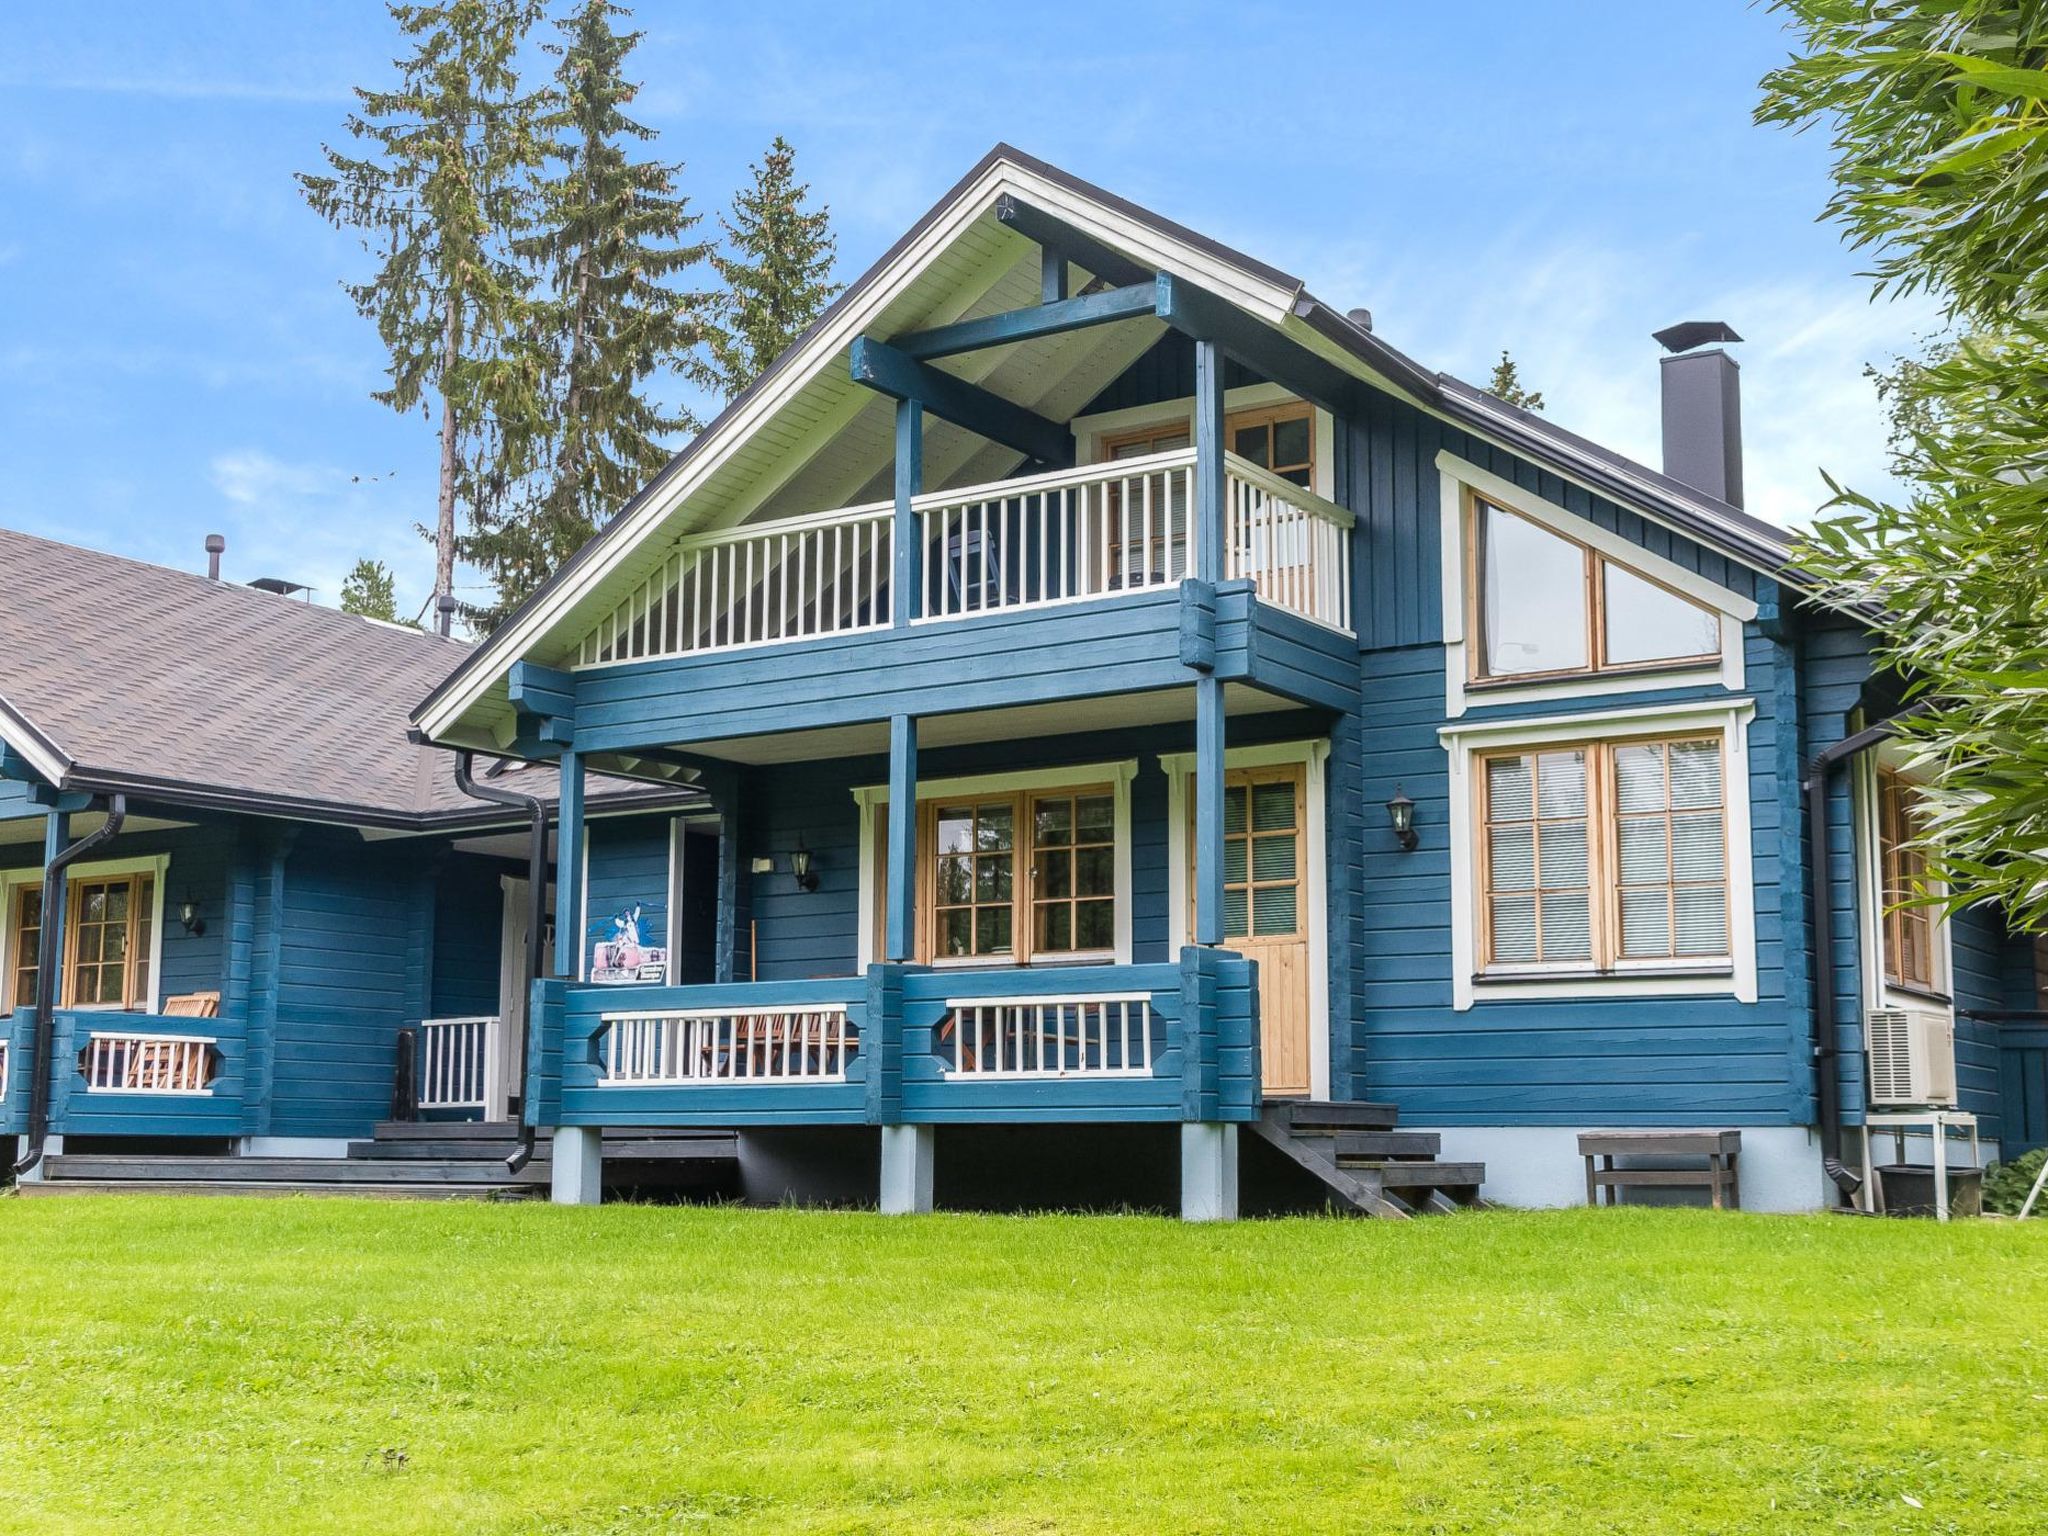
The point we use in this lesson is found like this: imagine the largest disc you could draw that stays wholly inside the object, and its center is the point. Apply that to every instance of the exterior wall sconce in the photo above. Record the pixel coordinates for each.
(800, 867)
(1401, 817)
(188, 915)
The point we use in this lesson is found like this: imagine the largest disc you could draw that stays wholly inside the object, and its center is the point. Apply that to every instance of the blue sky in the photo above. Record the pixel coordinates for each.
(177, 357)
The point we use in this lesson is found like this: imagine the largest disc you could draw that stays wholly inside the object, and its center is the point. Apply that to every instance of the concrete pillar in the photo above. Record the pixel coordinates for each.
(1208, 1171)
(578, 1165)
(53, 1146)
(907, 1157)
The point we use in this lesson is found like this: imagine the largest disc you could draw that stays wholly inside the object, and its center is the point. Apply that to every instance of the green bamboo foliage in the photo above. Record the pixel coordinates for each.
(1938, 115)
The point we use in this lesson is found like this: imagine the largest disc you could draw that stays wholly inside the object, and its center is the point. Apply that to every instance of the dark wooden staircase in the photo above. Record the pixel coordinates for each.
(417, 1159)
(1366, 1163)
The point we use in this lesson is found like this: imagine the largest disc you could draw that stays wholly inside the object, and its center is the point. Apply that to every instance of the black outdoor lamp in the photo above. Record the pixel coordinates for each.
(188, 914)
(1401, 817)
(800, 867)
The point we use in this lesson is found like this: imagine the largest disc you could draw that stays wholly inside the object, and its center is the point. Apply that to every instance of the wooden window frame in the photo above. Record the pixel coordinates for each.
(1024, 899)
(1250, 416)
(1248, 777)
(1603, 861)
(21, 980)
(1593, 565)
(1899, 868)
(140, 950)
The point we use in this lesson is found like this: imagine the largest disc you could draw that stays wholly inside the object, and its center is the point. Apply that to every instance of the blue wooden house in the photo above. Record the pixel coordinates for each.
(245, 888)
(1155, 729)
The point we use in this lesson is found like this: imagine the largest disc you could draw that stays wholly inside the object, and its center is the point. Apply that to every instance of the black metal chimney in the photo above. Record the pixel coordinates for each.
(1702, 409)
(215, 544)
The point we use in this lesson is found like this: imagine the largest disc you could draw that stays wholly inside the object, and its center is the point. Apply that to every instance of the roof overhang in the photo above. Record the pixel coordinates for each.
(35, 749)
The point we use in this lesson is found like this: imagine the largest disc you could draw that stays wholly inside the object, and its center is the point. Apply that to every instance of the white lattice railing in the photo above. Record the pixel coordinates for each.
(1056, 538)
(1099, 1035)
(722, 1045)
(115, 1062)
(1293, 545)
(456, 1059)
(795, 579)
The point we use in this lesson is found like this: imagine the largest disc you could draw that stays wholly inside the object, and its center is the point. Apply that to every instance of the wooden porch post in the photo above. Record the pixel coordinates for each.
(724, 788)
(50, 948)
(1209, 567)
(907, 563)
(900, 908)
(569, 869)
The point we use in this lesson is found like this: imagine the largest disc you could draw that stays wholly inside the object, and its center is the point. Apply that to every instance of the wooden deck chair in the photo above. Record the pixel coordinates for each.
(192, 1005)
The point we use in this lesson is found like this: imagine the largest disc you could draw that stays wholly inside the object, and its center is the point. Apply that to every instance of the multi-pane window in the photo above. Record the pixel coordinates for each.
(1604, 854)
(1546, 604)
(1908, 926)
(1262, 858)
(1280, 438)
(1009, 878)
(107, 942)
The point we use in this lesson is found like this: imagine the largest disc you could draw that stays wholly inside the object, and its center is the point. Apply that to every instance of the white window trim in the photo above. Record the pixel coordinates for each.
(1315, 755)
(1117, 775)
(1737, 978)
(1089, 431)
(1456, 476)
(1879, 991)
(157, 864)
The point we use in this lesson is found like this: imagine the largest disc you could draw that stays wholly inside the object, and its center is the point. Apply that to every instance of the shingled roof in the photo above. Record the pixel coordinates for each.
(120, 675)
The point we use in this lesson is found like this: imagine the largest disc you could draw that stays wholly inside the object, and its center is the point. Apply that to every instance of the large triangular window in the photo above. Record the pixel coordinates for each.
(1548, 606)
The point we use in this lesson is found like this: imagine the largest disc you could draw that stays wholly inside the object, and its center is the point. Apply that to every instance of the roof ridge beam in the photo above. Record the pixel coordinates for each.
(1054, 318)
(884, 369)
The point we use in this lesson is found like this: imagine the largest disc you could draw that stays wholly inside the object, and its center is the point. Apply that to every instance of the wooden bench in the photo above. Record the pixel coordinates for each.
(1720, 1149)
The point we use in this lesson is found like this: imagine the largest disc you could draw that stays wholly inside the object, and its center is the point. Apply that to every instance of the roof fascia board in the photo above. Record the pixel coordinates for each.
(32, 746)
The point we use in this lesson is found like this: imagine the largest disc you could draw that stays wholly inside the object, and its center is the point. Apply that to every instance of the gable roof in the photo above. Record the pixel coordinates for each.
(120, 675)
(957, 244)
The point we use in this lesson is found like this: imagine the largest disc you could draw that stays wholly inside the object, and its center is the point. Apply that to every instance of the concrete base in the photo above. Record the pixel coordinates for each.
(1208, 1171)
(907, 1162)
(1541, 1166)
(577, 1174)
(292, 1146)
(52, 1145)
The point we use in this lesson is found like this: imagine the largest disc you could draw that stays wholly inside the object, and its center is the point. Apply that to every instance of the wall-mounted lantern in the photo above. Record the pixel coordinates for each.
(1401, 817)
(189, 916)
(800, 867)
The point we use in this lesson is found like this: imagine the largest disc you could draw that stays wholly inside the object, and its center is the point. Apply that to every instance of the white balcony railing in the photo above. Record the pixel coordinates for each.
(456, 1060)
(119, 1062)
(1032, 542)
(782, 1045)
(1099, 1035)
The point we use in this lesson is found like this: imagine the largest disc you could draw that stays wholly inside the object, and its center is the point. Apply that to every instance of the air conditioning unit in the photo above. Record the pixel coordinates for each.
(1912, 1057)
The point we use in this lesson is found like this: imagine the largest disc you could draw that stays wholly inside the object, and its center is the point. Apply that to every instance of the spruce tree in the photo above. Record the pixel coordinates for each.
(1506, 384)
(436, 199)
(777, 269)
(370, 591)
(608, 245)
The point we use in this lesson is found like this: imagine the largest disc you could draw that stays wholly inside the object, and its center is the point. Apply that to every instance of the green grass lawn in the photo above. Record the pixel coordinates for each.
(184, 1365)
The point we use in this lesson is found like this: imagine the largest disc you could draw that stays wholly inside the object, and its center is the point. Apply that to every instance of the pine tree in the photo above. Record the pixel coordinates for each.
(436, 200)
(370, 591)
(1506, 384)
(609, 242)
(777, 270)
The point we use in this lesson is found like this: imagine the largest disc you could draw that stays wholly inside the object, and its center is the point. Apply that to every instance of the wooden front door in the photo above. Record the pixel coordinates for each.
(1266, 909)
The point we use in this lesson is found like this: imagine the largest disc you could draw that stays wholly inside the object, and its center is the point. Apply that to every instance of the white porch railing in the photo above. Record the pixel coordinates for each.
(120, 1062)
(1100, 1035)
(1031, 542)
(797, 579)
(456, 1056)
(781, 1045)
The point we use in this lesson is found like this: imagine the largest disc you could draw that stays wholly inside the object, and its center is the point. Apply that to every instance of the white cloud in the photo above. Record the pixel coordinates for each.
(1577, 316)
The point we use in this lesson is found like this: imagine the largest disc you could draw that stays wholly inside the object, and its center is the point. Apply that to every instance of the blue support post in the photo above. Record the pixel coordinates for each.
(907, 557)
(56, 837)
(725, 791)
(1209, 488)
(569, 870)
(1052, 275)
(1209, 493)
(900, 909)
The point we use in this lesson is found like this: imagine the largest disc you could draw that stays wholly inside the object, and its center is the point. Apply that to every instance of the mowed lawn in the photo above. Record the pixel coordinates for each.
(183, 1365)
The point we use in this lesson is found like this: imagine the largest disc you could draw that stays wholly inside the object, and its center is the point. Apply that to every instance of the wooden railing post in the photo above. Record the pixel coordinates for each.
(907, 551)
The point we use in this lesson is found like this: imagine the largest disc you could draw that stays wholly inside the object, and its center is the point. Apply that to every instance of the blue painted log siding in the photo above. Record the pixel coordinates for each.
(2023, 1087)
(1124, 644)
(468, 932)
(76, 1112)
(15, 1031)
(1993, 972)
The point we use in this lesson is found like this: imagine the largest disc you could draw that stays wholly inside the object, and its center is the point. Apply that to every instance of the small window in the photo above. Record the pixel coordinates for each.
(1280, 438)
(1909, 930)
(24, 946)
(1603, 855)
(1549, 605)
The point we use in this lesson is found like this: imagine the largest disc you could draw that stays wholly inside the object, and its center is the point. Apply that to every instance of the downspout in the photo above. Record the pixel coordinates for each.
(1828, 1090)
(48, 968)
(536, 912)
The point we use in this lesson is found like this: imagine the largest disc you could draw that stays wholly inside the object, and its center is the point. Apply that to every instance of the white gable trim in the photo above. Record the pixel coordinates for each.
(37, 750)
(1455, 477)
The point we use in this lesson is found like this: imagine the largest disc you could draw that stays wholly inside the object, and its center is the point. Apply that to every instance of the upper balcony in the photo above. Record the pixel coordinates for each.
(1070, 536)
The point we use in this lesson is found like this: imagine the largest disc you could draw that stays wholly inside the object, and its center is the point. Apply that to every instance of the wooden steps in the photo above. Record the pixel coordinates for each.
(1367, 1165)
(426, 1160)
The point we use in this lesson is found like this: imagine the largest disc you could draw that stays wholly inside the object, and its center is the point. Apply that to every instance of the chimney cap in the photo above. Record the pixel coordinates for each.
(216, 543)
(1687, 334)
(1360, 317)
